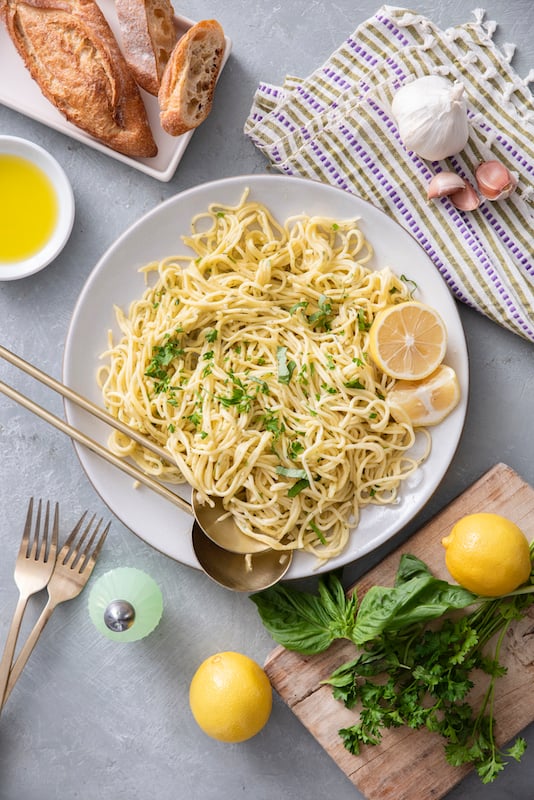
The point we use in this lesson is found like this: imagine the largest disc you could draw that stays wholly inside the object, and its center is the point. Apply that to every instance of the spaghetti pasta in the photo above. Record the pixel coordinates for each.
(248, 362)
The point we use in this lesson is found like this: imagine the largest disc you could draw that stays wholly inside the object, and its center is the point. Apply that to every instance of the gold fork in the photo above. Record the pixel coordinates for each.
(33, 569)
(74, 565)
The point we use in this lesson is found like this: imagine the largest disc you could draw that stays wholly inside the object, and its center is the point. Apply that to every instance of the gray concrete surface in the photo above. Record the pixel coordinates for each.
(92, 719)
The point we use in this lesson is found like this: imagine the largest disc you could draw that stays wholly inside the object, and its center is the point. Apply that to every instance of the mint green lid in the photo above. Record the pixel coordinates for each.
(134, 587)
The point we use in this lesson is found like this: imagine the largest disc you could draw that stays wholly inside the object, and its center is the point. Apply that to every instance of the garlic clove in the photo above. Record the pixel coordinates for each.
(444, 183)
(465, 199)
(494, 180)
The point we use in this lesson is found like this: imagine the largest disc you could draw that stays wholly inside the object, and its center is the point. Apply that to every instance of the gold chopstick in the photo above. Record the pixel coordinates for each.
(82, 402)
(82, 438)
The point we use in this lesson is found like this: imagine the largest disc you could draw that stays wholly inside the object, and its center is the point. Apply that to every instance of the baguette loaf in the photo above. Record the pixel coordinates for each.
(70, 51)
(188, 84)
(148, 35)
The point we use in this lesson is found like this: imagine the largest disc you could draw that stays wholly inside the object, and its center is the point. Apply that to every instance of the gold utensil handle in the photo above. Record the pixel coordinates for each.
(96, 447)
(9, 649)
(27, 649)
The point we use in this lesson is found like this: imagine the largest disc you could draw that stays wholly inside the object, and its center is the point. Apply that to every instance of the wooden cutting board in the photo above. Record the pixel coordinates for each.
(407, 763)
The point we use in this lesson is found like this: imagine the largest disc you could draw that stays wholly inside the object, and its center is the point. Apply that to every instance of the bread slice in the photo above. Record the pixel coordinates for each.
(148, 33)
(72, 54)
(188, 84)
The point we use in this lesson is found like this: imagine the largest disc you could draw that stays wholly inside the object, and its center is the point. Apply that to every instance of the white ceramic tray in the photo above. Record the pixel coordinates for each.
(19, 91)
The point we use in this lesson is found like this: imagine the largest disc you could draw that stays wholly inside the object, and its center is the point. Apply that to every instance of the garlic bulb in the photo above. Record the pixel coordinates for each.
(431, 116)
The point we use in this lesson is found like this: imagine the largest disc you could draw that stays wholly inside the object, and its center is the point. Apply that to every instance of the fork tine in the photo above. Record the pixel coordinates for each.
(64, 552)
(49, 543)
(91, 560)
(27, 528)
(75, 552)
(41, 536)
(83, 553)
(34, 542)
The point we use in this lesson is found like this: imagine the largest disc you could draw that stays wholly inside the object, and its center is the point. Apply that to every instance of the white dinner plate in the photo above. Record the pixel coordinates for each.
(117, 281)
(19, 91)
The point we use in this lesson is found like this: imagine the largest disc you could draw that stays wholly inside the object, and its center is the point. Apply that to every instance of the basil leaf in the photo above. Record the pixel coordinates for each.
(410, 567)
(355, 384)
(285, 367)
(298, 487)
(291, 472)
(304, 622)
(416, 600)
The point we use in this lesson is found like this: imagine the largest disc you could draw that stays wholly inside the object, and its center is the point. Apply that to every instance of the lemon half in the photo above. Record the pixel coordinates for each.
(408, 341)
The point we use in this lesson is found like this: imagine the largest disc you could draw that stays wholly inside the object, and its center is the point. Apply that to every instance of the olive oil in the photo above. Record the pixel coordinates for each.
(28, 208)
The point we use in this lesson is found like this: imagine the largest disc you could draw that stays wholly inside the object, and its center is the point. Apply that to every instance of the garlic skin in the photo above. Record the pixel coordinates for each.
(494, 180)
(443, 184)
(431, 117)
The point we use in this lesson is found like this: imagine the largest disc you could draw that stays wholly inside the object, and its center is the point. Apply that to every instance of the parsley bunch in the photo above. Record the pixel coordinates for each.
(408, 671)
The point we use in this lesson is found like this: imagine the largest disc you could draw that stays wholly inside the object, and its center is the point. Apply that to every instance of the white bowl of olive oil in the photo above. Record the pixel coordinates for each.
(36, 208)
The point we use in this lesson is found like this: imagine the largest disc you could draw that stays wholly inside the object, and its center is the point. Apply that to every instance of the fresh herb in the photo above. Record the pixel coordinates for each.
(298, 487)
(159, 367)
(322, 317)
(285, 367)
(318, 532)
(412, 286)
(306, 622)
(301, 476)
(292, 472)
(363, 323)
(272, 423)
(239, 397)
(296, 306)
(414, 661)
(354, 384)
(294, 449)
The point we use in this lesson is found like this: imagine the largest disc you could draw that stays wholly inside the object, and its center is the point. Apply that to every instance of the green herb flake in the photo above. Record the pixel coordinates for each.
(285, 367)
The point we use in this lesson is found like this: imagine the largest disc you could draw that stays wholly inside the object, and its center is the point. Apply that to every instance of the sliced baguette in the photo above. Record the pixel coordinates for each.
(71, 53)
(148, 33)
(188, 84)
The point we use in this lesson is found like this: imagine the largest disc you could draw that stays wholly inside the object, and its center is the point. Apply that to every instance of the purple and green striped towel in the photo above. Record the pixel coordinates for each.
(336, 126)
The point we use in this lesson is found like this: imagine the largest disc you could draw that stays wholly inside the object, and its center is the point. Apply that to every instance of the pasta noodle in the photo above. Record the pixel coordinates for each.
(248, 362)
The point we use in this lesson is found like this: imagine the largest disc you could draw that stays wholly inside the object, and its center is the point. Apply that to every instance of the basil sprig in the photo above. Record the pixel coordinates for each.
(305, 622)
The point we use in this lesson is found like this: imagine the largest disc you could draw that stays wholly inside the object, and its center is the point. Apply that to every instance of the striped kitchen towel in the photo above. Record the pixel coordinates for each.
(336, 126)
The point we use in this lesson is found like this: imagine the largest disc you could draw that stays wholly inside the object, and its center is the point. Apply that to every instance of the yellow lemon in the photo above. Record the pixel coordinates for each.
(408, 341)
(487, 554)
(426, 402)
(230, 697)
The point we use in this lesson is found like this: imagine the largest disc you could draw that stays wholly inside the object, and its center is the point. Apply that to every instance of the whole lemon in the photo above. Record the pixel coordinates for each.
(487, 554)
(230, 697)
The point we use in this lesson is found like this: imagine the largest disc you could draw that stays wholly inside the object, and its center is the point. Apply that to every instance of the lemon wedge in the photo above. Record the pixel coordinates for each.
(426, 402)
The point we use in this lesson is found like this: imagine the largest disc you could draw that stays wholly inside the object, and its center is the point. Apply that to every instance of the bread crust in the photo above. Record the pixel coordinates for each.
(188, 83)
(148, 33)
(71, 52)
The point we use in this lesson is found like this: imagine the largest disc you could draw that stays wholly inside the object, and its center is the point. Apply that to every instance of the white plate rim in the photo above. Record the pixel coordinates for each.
(144, 506)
